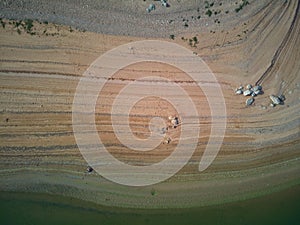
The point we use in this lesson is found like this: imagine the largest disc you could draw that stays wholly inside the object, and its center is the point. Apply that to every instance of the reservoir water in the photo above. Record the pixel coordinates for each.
(26, 208)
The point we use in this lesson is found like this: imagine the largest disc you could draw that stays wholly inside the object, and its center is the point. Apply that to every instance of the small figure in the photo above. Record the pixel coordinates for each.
(168, 140)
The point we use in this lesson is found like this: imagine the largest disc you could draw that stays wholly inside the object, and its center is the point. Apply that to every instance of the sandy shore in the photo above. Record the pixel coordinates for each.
(40, 70)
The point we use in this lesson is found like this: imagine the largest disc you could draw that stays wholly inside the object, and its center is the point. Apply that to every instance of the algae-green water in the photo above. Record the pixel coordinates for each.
(25, 208)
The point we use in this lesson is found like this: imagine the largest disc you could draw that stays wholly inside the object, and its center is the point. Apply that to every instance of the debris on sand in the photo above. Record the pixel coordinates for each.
(164, 3)
(167, 140)
(257, 88)
(249, 86)
(238, 92)
(249, 101)
(150, 8)
(249, 90)
(164, 130)
(277, 100)
(175, 122)
(282, 98)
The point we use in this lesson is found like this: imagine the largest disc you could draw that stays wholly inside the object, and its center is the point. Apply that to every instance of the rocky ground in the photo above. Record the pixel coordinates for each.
(130, 17)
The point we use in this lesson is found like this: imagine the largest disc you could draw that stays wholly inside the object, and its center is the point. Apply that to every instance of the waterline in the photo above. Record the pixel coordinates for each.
(25, 208)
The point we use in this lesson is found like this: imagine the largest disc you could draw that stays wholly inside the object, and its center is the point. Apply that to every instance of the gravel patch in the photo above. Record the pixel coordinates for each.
(115, 17)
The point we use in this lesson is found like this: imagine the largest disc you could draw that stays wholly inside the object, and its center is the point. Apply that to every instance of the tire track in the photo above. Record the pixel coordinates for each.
(280, 48)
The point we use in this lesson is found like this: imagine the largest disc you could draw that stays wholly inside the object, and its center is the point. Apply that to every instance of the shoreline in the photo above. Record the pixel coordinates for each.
(280, 208)
(86, 205)
(92, 205)
(168, 195)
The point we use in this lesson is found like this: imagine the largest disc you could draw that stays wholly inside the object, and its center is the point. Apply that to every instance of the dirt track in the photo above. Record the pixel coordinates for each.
(39, 74)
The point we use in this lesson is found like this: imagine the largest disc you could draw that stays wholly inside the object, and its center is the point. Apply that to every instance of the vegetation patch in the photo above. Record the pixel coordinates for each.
(191, 41)
(28, 25)
(153, 192)
(2, 23)
(208, 12)
(195, 39)
(34, 27)
(207, 5)
(241, 6)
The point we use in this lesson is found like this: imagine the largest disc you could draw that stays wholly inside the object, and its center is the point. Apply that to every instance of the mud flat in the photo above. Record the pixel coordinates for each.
(40, 68)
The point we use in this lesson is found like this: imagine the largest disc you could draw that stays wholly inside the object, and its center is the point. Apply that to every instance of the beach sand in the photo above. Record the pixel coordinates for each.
(40, 71)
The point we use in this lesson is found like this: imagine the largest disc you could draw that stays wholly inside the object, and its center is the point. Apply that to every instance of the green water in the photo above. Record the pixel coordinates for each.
(23, 208)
